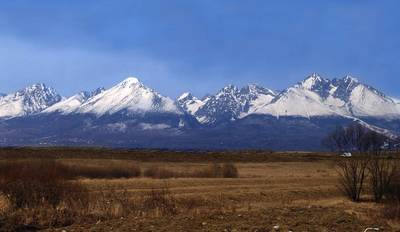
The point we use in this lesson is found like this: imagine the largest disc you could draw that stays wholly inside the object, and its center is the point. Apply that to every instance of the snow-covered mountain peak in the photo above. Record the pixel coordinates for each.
(350, 80)
(38, 88)
(314, 81)
(231, 103)
(185, 96)
(29, 100)
(313, 77)
(316, 84)
(188, 103)
(256, 89)
(229, 89)
(130, 81)
(129, 96)
(72, 104)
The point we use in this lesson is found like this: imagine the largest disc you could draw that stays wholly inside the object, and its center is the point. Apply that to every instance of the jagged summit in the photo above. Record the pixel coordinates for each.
(350, 79)
(189, 104)
(30, 100)
(314, 80)
(185, 96)
(229, 103)
(129, 96)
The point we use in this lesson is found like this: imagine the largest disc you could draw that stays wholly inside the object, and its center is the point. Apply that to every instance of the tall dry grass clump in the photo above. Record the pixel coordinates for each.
(161, 201)
(381, 173)
(391, 209)
(107, 171)
(31, 183)
(229, 171)
(40, 192)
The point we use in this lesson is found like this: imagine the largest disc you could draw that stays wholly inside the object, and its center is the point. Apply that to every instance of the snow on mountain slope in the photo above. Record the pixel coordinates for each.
(72, 104)
(366, 102)
(189, 103)
(296, 102)
(225, 105)
(130, 96)
(305, 99)
(231, 103)
(30, 100)
(255, 97)
(317, 96)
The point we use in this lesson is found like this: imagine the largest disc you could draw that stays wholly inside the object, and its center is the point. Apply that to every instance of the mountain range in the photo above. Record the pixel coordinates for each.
(131, 114)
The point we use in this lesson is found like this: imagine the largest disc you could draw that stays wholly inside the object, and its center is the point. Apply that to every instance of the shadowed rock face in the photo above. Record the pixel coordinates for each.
(169, 131)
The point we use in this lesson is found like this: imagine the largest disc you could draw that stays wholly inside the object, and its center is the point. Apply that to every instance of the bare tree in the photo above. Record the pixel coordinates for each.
(354, 135)
(353, 172)
(372, 142)
(352, 175)
(355, 138)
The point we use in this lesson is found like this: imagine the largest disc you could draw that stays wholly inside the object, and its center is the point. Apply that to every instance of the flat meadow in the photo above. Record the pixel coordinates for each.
(159, 190)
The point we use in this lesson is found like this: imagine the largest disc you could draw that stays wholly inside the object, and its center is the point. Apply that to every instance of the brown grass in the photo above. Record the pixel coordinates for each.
(210, 171)
(295, 194)
(392, 201)
(161, 200)
(352, 176)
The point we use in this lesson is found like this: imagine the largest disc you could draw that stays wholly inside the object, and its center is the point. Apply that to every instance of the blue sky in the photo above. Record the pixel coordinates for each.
(197, 45)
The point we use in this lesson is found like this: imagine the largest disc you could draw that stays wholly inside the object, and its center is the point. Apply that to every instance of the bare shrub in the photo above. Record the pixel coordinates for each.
(105, 171)
(381, 172)
(210, 171)
(229, 171)
(35, 182)
(352, 174)
(355, 138)
(40, 193)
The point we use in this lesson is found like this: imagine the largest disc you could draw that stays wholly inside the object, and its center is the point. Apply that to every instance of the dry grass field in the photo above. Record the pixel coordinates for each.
(274, 192)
